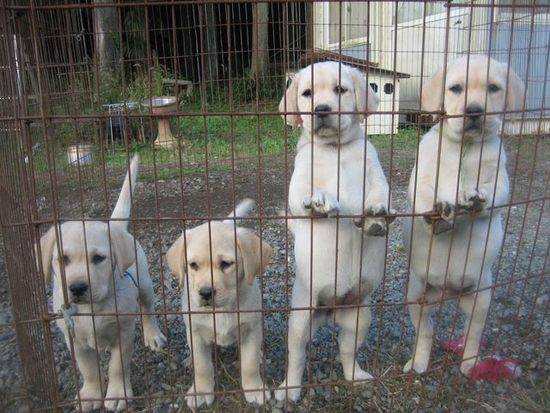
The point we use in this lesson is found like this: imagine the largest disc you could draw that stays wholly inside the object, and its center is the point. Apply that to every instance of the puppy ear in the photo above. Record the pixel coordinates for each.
(291, 99)
(363, 92)
(255, 253)
(175, 256)
(432, 92)
(516, 92)
(46, 244)
(122, 244)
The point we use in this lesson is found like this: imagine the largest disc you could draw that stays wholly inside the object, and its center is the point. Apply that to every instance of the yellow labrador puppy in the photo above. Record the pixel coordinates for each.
(333, 153)
(221, 262)
(470, 178)
(95, 264)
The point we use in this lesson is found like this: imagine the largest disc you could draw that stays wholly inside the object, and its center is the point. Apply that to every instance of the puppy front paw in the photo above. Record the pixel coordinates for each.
(90, 392)
(466, 366)
(194, 401)
(257, 397)
(321, 205)
(283, 393)
(117, 393)
(251, 392)
(473, 200)
(442, 223)
(154, 339)
(420, 366)
(359, 375)
(376, 220)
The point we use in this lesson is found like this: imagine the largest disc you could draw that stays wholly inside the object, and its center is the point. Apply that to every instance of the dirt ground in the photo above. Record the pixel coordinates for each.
(518, 326)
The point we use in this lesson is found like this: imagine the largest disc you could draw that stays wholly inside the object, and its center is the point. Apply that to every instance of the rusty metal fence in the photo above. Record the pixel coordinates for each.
(193, 87)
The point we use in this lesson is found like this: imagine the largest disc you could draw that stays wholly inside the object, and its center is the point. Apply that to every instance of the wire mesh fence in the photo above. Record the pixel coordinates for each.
(319, 296)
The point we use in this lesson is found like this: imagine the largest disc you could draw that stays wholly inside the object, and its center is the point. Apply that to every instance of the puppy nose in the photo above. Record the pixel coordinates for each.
(474, 110)
(78, 288)
(206, 293)
(322, 108)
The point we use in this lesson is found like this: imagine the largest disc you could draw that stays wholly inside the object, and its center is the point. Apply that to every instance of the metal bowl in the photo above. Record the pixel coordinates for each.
(158, 102)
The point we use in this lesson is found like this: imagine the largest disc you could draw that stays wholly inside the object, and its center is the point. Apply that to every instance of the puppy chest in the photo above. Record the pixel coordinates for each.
(103, 331)
(324, 164)
(464, 169)
(226, 335)
(225, 332)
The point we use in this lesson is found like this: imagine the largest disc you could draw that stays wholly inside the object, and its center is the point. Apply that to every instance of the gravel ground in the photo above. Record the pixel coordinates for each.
(518, 325)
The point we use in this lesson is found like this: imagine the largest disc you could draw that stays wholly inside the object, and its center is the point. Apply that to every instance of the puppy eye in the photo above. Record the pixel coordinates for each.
(66, 260)
(493, 88)
(306, 93)
(456, 89)
(340, 90)
(225, 264)
(96, 259)
(194, 266)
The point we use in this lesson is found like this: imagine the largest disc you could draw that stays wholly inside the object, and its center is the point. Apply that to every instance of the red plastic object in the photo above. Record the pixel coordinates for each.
(457, 345)
(493, 369)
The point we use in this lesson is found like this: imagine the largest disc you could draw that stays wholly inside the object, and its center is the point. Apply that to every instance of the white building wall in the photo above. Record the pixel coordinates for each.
(423, 46)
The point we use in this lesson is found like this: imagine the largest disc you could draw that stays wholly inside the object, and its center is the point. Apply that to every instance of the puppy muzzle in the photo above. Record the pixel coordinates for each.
(79, 300)
(205, 296)
(325, 124)
(476, 122)
(79, 292)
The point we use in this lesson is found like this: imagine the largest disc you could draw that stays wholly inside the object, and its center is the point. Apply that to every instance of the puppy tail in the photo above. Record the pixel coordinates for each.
(241, 210)
(123, 205)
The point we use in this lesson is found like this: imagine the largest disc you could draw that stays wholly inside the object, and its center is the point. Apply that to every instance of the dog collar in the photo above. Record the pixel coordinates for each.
(333, 145)
(127, 274)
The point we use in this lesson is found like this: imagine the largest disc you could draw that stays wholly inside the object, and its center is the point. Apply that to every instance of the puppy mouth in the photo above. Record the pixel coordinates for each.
(325, 122)
(472, 125)
(326, 129)
(219, 301)
(475, 123)
(473, 128)
(210, 303)
(205, 303)
(325, 126)
(87, 298)
(79, 300)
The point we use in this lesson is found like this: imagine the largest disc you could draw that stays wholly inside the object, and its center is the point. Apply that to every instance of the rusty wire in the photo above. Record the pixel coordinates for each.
(52, 98)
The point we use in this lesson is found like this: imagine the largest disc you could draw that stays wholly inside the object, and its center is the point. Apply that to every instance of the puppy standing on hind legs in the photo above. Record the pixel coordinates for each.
(361, 242)
(99, 263)
(455, 252)
(222, 274)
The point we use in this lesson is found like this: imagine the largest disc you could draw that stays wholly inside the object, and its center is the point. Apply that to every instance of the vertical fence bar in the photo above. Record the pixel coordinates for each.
(32, 325)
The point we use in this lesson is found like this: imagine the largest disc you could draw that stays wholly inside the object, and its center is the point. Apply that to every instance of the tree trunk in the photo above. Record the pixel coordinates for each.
(260, 42)
(210, 46)
(106, 36)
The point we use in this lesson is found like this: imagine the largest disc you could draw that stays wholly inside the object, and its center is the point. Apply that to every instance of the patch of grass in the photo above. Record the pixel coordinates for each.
(216, 137)
(219, 137)
(202, 137)
(404, 140)
(246, 135)
(533, 398)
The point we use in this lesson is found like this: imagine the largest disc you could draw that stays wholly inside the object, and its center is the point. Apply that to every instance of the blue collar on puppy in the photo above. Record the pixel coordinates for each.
(128, 274)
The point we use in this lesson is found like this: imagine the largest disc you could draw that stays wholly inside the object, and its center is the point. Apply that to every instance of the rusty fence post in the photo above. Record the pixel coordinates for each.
(28, 300)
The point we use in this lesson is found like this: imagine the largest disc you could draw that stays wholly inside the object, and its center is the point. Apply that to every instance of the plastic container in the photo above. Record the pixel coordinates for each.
(81, 154)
